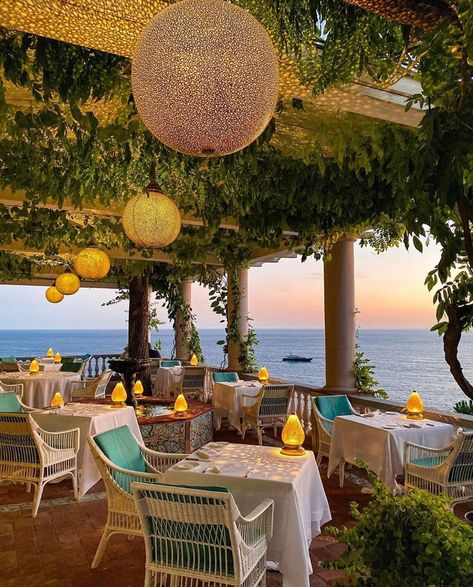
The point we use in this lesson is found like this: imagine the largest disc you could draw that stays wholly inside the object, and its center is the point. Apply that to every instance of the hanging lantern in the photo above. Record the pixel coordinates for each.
(180, 406)
(57, 358)
(151, 220)
(138, 389)
(92, 263)
(67, 283)
(415, 407)
(118, 396)
(263, 375)
(293, 436)
(57, 401)
(34, 367)
(50, 353)
(194, 360)
(53, 295)
(205, 77)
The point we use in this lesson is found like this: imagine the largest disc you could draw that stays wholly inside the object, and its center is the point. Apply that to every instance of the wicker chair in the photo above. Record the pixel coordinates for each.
(10, 365)
(197, 536)
(268, 409)
(33, 456)
(121, 460)
(446, 470)
(225, 377)
(15, 387)
(193, 382)
(91, 389)
(326, 408)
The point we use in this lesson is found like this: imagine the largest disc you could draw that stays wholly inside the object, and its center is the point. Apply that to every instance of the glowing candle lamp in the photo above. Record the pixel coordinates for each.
(414, 407)
(138, 388)
(118, 396)
(34, 367)
(50, 352)
(57, 402)
(263, 375)
(57, 358)
(180, 405)
(293, 436)
(194, 360)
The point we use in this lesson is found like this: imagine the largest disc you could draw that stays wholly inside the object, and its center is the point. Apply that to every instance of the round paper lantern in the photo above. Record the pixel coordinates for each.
(53, 295)
(151, 220)
(67, 283)
(205, 77)
(92, 263)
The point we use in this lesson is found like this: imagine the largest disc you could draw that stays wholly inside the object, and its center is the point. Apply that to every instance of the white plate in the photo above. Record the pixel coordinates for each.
(186, 465)
(391, 413)
(389, 426)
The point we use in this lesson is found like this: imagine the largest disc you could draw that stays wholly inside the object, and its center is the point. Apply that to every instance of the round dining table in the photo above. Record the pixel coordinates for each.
(39, 389)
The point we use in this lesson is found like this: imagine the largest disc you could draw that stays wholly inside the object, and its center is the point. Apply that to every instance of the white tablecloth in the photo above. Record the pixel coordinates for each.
(90, 419)
(227, 401)
(300, 503)
(382, 448)
(39, 389)
(49, 366)
(167, 379)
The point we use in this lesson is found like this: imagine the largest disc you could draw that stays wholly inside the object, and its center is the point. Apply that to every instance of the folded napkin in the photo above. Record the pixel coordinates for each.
(230, 470)
(414, 425)
(368, 415)
(205, 455)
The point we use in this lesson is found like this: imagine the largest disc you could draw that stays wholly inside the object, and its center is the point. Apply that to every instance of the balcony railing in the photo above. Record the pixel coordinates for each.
(95, 365)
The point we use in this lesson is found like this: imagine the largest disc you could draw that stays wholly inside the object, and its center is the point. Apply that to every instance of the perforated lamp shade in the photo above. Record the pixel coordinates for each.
(92, 263)
(263, 375)
(194, 360)
(205, 77)
(67, 283)
(151, 220)
(53, 295)
(415, 406)
(293, 436)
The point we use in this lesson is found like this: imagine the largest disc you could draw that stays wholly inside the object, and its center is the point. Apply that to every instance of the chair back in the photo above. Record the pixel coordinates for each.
(10, 403)
(331, 406)
(225, 377)
(275, 400)
(18, 444)
(72, 365)
(190, 531)
(462, 459)
(102, 383)
(9, 364)
(193, 378)
(170, 363)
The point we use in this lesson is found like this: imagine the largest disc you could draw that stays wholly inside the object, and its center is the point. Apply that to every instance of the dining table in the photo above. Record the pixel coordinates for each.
(167, 380)
(378, 439)
(91, 419)
(227, 400)
(39, 388)
(253, 473)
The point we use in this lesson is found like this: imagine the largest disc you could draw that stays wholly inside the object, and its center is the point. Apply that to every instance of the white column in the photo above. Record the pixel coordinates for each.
(181, 326)
(241, 315)
(339, 300)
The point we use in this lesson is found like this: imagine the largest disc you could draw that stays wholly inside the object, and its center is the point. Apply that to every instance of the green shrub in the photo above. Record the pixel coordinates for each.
(410, 540)
(464, 408)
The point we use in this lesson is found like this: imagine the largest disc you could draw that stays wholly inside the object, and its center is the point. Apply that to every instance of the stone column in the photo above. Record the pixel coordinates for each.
(241, 315)
(181, 325)
(340, 329)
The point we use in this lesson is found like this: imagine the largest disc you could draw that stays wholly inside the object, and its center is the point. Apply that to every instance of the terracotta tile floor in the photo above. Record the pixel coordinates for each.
(56, 548)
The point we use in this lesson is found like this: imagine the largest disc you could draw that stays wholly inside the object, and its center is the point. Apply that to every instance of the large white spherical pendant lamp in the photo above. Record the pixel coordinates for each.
(67, 283)
(151, 220)
(92, 263)
(205, 77)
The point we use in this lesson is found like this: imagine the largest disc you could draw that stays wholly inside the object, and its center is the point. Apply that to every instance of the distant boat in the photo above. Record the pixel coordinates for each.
(297, 358)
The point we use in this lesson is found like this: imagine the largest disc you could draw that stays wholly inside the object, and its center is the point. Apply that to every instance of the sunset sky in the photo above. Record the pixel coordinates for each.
(289, 294)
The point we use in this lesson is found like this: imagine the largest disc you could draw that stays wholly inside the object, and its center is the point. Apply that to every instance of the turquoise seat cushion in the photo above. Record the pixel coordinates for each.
(9, 403)
(428, 461)
(121, 447)
(176, 542)
(225, 377)
(173, 363)
(71, 365)
(9, 364)
(331, 406)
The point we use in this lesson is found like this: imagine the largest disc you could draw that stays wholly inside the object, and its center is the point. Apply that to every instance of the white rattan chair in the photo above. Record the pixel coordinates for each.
(446, 470)
(193, 382)
(197, 536)
(268, 409)
(15, 387)
(132, 461)
(91, 389)
(33, 456)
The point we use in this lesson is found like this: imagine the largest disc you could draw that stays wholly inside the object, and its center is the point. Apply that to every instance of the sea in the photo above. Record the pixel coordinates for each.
(403, 360)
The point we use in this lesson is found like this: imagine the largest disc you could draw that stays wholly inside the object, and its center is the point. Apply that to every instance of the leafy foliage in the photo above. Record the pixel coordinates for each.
(364, 375)
(464, 407)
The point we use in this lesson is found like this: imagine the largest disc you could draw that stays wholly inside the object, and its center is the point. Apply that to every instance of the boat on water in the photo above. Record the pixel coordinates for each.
(297, 358)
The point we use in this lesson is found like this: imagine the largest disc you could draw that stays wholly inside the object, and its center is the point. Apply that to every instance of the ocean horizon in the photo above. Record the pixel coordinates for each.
(404, 359)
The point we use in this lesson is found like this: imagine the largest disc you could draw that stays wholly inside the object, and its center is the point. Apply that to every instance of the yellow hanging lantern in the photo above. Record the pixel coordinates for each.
(50, 353)
(180, 405)
(205, 77)
(67, 283)
(57, 358)
(151, 220)
(118, 396)
(293, 436)
(53, 295)
(138, 388)
(34, 367)
(263, 375)
(92, 263)
(194, 360)
(57, 401)
(415, 407)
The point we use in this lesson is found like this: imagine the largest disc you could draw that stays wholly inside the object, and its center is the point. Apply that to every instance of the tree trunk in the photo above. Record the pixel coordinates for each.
(138, 325)
(451, 340)
(424, 14)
